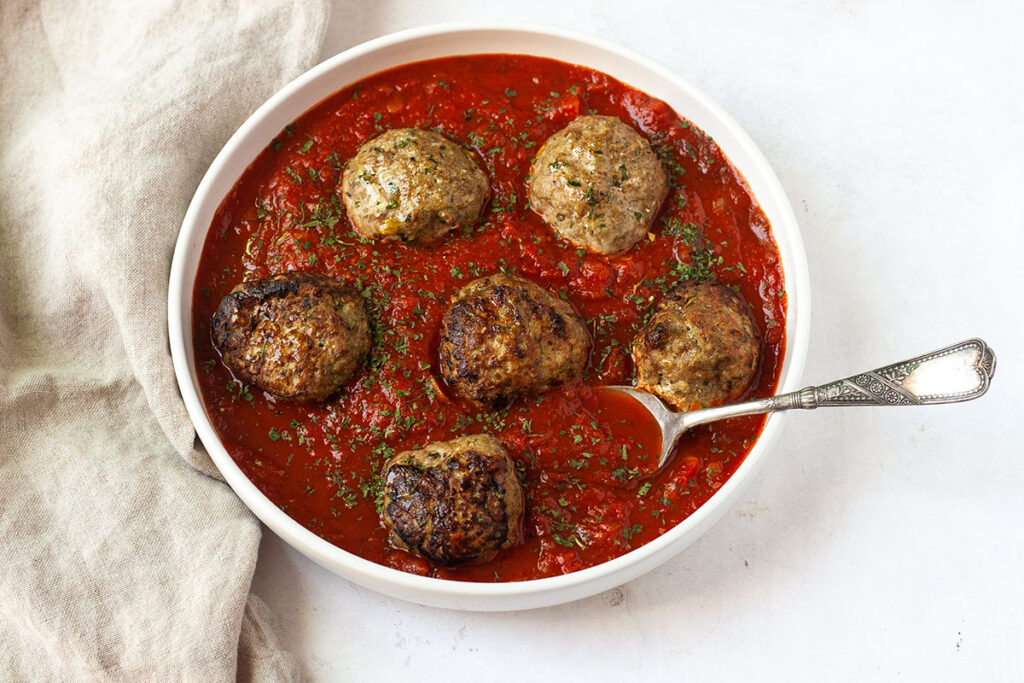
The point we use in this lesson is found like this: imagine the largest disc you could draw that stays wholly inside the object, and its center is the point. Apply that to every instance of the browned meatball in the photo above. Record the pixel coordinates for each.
(700, 348)
(598, 184)
(414, 185)
(453, 501)
(505, 336)
(297, 336)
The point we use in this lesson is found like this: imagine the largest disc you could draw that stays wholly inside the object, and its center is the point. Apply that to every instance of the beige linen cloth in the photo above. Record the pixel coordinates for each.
(121, 556)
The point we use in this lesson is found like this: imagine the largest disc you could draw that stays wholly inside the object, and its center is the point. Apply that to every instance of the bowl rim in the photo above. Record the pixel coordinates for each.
(447, 592)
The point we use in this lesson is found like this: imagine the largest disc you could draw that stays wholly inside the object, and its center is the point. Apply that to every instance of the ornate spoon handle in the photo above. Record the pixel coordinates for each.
(960, 372)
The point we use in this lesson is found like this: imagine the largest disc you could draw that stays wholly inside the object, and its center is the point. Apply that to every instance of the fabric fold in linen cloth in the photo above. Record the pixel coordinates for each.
(122, 557)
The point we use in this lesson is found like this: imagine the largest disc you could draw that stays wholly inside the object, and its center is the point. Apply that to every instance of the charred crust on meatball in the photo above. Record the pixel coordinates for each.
(453, 502)
(298, 335)
(504, 336)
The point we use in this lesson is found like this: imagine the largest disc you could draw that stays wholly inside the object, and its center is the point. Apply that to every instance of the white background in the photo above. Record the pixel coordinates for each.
(876, 544)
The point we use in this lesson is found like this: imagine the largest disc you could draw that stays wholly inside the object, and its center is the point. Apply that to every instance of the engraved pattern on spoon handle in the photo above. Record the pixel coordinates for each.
(960, 372)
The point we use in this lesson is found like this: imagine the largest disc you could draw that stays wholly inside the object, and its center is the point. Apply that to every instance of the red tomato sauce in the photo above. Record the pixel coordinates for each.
(584, 457)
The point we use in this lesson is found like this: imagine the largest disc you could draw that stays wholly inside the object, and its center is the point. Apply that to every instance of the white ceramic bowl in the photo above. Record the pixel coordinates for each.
(437, 41)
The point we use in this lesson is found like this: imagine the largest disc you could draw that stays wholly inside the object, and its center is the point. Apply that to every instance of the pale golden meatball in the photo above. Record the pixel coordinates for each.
(505, 336)
(298, 336)
(453, 501)
(414, 185)
(700, 348)
(598, 184)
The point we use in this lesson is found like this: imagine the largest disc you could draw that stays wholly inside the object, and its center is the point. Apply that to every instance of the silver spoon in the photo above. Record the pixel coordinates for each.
(960, 372)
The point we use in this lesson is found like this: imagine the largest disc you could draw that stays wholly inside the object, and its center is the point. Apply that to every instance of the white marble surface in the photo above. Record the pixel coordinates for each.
(876, 544)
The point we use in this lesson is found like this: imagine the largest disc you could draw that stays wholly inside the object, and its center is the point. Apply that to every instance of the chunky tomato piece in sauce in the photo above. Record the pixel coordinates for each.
(583, 457)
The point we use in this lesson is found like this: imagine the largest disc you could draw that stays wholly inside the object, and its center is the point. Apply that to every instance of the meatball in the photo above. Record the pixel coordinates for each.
(700, 348)
(505, 336)
(453, 501)
(598, 184)
(297, 336)
(413, 185)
